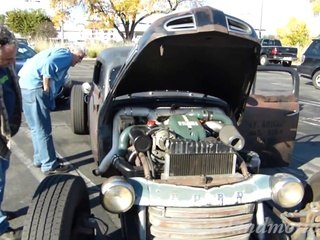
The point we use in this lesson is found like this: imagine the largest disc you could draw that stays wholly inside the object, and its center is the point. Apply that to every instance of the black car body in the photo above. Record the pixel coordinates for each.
(168, 121)
(310, 64)
(24, 52)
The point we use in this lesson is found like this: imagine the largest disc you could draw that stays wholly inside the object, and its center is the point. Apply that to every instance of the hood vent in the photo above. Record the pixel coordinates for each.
(235, 25)
(180, 23)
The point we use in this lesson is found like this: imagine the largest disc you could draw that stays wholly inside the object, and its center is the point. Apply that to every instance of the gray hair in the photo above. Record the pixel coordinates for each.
(78, 50)
(6, 36)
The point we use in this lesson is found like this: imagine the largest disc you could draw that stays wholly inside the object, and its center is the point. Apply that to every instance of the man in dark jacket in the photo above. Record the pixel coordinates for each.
(10, 117)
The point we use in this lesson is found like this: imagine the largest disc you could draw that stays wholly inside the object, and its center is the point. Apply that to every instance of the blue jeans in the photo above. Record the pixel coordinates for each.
(36, 107)
(4, 165)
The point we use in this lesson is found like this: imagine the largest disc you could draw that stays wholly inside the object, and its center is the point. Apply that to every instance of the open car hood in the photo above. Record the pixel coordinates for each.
(201, 50)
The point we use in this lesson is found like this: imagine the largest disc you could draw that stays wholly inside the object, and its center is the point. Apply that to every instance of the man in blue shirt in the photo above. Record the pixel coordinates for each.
(10, 117)
(40, 78)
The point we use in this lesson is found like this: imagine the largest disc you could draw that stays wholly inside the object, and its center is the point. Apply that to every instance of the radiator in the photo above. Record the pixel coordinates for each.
(191, 158)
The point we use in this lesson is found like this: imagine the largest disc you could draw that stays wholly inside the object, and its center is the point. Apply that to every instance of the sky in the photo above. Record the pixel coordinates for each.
(270, 14)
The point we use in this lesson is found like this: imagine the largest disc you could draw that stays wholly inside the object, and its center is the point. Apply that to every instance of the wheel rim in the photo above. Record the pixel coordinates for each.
(317, 80)
(263, 60)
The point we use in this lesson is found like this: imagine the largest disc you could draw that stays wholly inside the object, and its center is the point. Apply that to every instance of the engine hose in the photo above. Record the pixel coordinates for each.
(145, 165)
(151, 164)
(132, 156)
(214, 115)
(124, 140)
(125, 137)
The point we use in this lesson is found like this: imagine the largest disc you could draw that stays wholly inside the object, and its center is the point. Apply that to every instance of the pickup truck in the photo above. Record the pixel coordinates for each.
(272, 51)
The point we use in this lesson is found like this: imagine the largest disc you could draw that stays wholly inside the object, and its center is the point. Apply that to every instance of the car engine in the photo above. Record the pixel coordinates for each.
(168, 143)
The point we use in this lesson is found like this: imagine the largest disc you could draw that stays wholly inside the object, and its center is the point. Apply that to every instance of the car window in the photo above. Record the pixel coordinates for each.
(23, 40)
(280, 80)
(270, 42)
(271, 115)
(113, 74)
(314, 48)
(24, 52)
(97, 72)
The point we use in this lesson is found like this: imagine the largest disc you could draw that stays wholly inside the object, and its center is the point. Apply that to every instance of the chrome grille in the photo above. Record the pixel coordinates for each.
(229, 222)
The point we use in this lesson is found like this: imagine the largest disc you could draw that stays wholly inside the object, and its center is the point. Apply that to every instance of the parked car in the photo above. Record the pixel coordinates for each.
(24, 52)
(23, 40)
(310, 63)
(272, 51)
(168, 120)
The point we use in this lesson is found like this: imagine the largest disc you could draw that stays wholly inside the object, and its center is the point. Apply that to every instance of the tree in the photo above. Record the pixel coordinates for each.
(124, 15)
(26, 22)
(315, 6)
(62, 11)
(2, 19)
(295, 33)
(60, 17)
(46, 30)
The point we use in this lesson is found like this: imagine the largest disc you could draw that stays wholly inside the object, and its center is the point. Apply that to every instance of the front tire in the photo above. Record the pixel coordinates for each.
(316, 80)
(129, 224)
(263, 60)
(59, 210)
(79, 111)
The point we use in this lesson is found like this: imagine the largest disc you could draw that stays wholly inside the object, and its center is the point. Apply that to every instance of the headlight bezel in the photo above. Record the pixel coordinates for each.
(286, 190)
(110, 190)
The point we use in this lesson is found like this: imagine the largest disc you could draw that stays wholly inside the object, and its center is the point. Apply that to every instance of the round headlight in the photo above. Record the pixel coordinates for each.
(117, 195)
(287, 190)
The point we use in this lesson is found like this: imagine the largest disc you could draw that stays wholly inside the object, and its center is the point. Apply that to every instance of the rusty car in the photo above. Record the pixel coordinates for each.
(180, 134)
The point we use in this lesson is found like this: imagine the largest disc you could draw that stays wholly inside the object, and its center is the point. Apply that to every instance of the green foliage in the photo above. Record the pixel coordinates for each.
(295, 33)
(2, 19)
(27, 23)
(315, 6)
(92, 53)
(95, 47)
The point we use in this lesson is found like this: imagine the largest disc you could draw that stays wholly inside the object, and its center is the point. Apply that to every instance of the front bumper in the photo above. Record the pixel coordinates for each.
(150, 193)
(281, 58)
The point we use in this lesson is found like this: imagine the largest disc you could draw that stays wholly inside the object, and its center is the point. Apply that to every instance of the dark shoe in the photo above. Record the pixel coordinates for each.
(11, 234)
(10, 215)
(60, 160)
(59, 169)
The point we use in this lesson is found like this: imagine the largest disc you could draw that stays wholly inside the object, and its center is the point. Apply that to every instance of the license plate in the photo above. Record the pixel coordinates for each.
(287, 58)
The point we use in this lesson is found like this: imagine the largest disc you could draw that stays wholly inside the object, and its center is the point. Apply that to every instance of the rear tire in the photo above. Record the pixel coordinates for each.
(316, 80)
(79, 111)
(59, 210)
